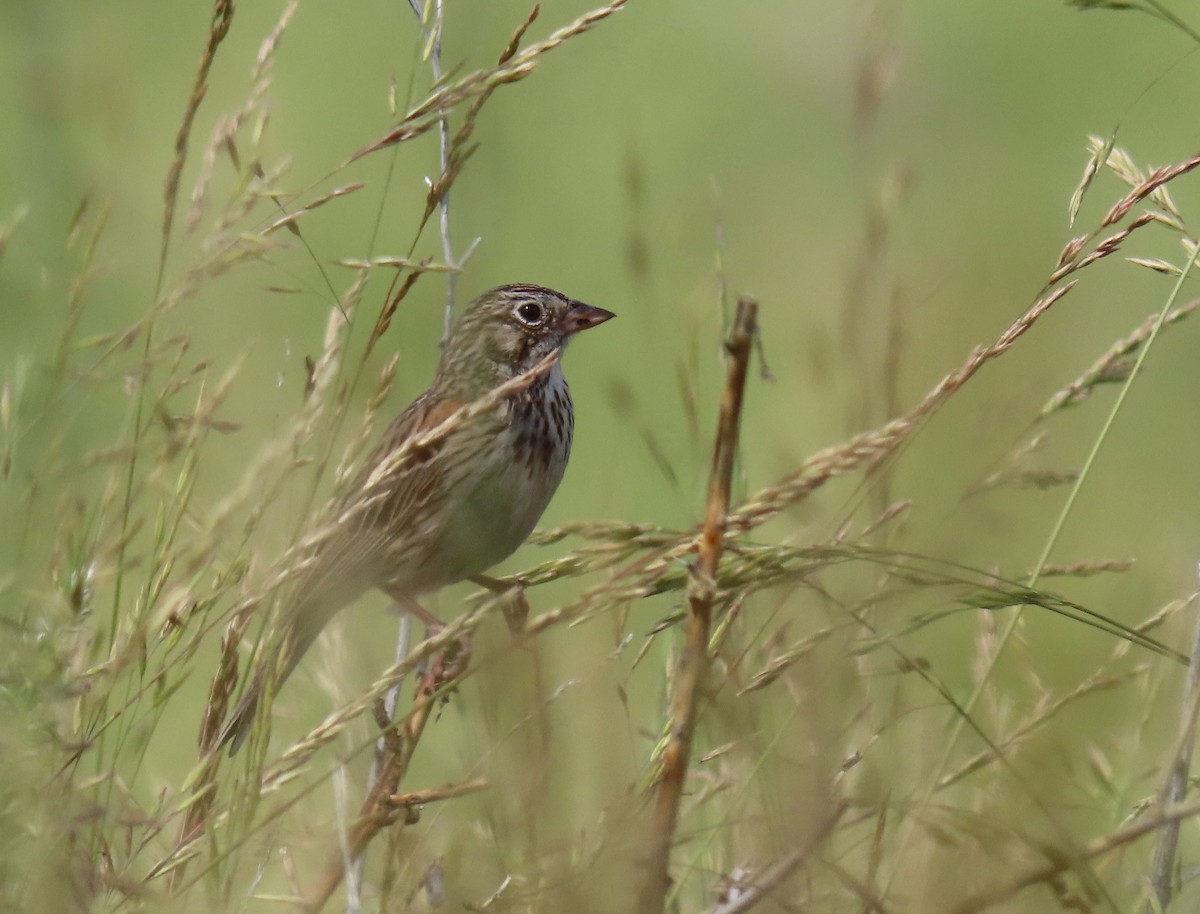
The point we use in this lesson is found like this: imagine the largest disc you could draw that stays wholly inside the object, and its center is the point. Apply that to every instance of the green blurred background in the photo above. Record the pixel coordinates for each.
(611, 173)
(856, 166)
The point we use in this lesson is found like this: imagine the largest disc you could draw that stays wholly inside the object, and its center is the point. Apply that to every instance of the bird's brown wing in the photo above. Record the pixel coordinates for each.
(401, 479)
(370, 534)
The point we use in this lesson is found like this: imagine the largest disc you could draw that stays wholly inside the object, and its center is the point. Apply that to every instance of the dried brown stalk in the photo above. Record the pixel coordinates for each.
(513, 69)
(433, 794)
(702, 589)
(203, 790)
(383, 806)
(222, 18)
(459, 149)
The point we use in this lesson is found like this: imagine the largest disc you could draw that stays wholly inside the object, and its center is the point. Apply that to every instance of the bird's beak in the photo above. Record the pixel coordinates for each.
(580, 317)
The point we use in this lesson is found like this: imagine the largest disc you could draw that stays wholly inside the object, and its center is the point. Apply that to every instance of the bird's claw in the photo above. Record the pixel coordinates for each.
(450, 665)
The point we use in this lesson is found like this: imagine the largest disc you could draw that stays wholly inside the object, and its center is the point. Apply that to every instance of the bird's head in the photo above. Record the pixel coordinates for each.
(510, 330)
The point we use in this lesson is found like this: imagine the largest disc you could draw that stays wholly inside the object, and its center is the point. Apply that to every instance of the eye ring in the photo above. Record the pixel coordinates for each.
(529, 313)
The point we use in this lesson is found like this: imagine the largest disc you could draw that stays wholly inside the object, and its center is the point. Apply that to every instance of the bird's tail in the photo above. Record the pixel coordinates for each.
(238, 727)
(299, 630)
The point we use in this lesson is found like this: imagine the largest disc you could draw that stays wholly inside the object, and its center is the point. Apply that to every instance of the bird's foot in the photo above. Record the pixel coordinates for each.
(451, 662)
(448, 666)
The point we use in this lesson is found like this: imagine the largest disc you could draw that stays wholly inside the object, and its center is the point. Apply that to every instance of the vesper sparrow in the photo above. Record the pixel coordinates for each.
(457, 482)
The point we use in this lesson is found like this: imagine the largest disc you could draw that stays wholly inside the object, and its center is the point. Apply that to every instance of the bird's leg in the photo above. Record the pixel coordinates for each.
(451, 662)
(515, 606)
(415, 609)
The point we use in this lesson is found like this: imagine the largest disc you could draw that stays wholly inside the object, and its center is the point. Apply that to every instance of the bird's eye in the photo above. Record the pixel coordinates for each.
(530, 313)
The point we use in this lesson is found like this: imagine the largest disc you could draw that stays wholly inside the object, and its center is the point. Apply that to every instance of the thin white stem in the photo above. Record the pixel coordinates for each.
(403, 637)
(433, 38)
(353, 865)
